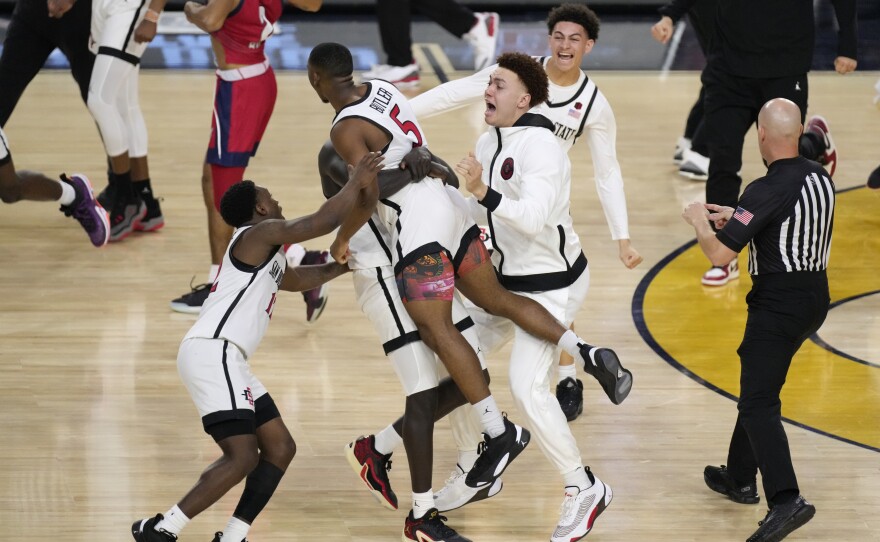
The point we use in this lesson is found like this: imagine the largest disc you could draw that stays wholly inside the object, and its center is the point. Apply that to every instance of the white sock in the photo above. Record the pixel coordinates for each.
(212, 274)
(466, 459)
(174, 522)
(490, 417)
(567, 371)
(577, 478)
(569, 342)
(294, 255)
(236, 530)
(387, 440)
(68, 194)
(422, 502)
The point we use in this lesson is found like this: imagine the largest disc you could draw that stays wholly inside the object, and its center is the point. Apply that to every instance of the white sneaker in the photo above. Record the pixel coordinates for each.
(400, 76)
(694, 165)
(483, 38)
(684, 144)
(719, 276)
(456, 493)
(580, 510)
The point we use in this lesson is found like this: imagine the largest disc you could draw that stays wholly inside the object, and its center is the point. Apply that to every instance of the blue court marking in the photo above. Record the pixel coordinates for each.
(638, 314)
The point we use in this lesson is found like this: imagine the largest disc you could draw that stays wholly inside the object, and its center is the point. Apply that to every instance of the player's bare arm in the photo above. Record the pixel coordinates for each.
(211, 16)
(146, 29)
(305, 277)
(306, 5)
(267, 234)
(353, 138)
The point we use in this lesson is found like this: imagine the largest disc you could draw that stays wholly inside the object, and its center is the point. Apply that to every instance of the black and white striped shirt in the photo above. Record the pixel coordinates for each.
(786, 218)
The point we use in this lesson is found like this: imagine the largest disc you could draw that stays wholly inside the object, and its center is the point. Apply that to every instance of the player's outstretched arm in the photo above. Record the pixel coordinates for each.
(306, 277)
(268, 234)
(211, 16)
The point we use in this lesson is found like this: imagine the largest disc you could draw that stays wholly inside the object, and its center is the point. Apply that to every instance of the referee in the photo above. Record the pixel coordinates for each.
(786, 218)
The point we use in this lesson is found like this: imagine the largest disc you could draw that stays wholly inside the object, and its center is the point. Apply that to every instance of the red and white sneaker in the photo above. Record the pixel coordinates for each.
(483, 39)
(580, 508)
(403, 77)
(372, 469)
(818, 125)
(719, 276)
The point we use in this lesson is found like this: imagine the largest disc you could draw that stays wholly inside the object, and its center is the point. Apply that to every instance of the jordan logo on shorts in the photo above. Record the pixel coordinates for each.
(248, 396)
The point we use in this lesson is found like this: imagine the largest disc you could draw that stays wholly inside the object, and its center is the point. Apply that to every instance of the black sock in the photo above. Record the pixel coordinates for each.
(143, 188)
(123, 185)
(258, 489)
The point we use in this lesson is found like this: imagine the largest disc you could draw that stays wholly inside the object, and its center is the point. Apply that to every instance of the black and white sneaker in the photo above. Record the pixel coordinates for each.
(192, 302)
(144, 530)
(605, 367)
(218, 537)
(497, 453)
(570, 394)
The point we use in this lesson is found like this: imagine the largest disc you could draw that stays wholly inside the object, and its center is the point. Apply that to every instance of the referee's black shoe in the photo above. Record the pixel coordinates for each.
(605, 367)
(782, 519)
(719, 480)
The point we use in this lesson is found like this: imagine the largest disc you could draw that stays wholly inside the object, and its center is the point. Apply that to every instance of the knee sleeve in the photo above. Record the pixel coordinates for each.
(108, 81)
(222, 178)
(130, 109)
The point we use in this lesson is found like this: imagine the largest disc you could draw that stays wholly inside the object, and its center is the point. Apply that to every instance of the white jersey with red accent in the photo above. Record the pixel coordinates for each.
(241, 301)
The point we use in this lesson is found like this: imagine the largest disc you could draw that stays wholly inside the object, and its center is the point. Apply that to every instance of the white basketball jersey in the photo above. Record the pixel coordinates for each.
(568, 107)
(241, 301)
(4, 146)
(387, 108)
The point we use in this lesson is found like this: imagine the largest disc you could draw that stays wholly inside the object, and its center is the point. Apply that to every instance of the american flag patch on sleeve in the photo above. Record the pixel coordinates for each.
(743, 216)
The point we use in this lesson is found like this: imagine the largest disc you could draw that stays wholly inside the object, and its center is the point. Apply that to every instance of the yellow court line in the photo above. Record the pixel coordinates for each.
(701, 328)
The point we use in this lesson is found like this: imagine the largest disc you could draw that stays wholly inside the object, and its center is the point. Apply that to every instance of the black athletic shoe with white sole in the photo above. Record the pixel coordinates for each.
(497, 453)
(605, 367)
(144, 530)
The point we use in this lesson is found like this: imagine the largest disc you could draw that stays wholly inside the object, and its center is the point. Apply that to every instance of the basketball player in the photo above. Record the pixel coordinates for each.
(114, 103)
(576, 107)
(436, 248)
(244, 98)
(73, 193)
(236, 409)
(523, 194)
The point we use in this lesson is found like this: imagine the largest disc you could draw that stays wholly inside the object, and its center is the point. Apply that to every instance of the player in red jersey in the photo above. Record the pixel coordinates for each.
(244, 98)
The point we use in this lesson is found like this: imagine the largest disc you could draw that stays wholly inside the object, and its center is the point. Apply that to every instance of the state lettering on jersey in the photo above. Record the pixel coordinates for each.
(381, 101)
(563, 132)
(277, 273)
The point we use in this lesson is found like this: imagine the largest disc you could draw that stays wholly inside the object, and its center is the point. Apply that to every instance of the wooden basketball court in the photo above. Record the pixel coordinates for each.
(98, 430)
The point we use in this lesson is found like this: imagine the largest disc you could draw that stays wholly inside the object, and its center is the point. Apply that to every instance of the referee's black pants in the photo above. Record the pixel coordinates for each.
(30, 39)
(784, 310)
(731, 106)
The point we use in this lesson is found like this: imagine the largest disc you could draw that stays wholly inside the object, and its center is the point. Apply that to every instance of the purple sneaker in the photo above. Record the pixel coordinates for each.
(316, 298)
(86, 209)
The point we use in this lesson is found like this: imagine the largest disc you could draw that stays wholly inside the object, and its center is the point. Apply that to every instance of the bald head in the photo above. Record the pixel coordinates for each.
(779, 129)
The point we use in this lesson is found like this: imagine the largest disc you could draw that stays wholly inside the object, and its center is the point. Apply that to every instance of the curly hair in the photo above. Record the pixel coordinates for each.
(237, 204)
(333, 59)
(530, 72)
(575, 13)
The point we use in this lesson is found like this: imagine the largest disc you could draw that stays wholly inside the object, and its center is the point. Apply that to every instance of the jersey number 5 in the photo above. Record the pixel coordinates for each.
(408, 127)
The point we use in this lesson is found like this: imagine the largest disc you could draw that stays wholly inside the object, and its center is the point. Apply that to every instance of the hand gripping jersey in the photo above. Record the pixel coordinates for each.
(421, 217)
(241, 301)
(246, 29)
